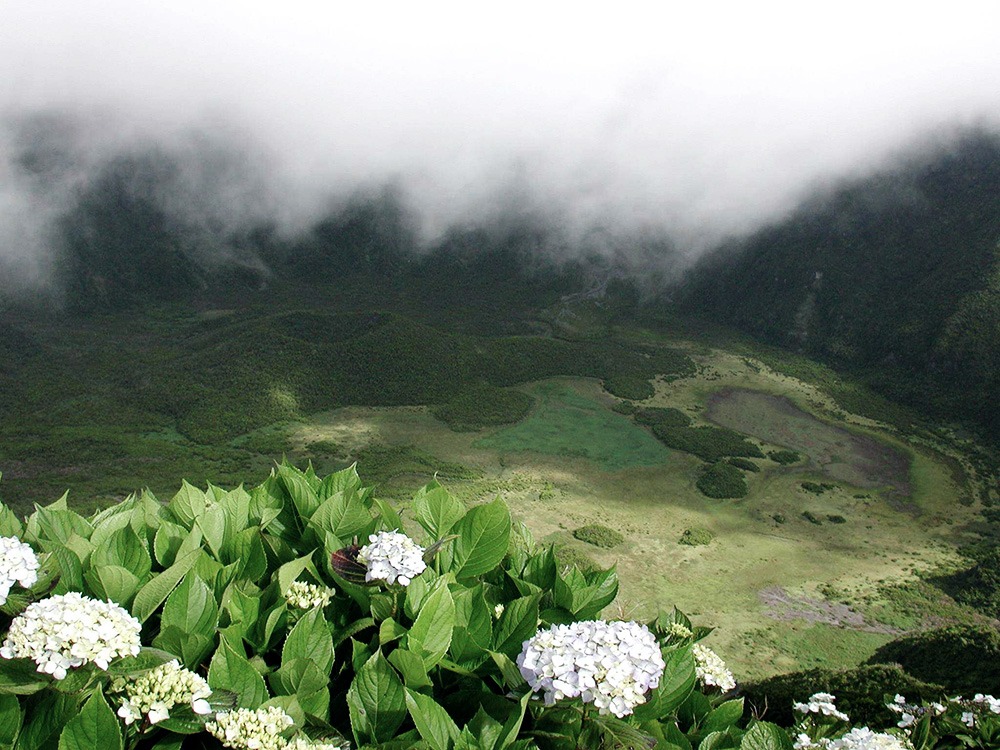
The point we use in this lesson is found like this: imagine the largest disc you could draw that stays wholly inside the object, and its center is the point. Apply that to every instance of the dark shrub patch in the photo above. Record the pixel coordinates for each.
(722, 481)
(668, 417)
(696, 537)
(484, 405)
(624, 407)
(599, 536)
(708, 443)
(817, 488)
(836, 519)
(784, 457)
(811, 517)
(634, 387)
(743, 463)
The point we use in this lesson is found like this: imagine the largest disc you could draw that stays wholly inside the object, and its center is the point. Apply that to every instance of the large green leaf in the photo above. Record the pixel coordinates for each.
(21, 677)
(436, 510)
(230, 670)
(11, 716)
(376, 701)
(95, 728)
(213, 527)
(113, 582)
(124, 549)
(483, 534)
(517, 624)
(45, 719)
(343, 515)
(675, 686)
(765, 736)
(310, 639)
(431, 632)
(723, 716)
(433, 723)
(191, 607)
(159, 587)
(187, 504)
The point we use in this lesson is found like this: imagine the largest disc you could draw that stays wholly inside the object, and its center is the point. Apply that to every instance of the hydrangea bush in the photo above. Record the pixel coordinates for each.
(307, 614)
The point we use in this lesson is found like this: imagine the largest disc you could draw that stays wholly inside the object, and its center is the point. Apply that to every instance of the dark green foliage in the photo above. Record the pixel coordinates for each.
(599, 536)
(964, 659)
(484, 405)
(634, 387)
(662, 417)
(784, 457)
(836, 519)
(722, 481)
(708, 443)
(979, 585)
(778, 518)
(743, 463)
(893, 276)
(811, 517)
(696, 537)
(860, 693)
(380, 463)
(624, 407)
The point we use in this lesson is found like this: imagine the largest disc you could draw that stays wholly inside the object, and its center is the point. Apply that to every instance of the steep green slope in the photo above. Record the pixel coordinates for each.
(895, 275)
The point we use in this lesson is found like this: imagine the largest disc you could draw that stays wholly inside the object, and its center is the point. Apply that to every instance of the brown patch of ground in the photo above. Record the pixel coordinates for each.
(780, 605)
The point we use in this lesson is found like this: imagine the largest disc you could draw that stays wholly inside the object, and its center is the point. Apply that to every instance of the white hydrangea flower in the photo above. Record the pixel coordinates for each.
(863, 738)
(18, 564)
(69, 630)
(968, 718)
(247, 729)
(391, 557)
(711, 670)
(989, 701)
(609, 664)
(157, 691)
(304, 743)
(821, 703)
(308, 595)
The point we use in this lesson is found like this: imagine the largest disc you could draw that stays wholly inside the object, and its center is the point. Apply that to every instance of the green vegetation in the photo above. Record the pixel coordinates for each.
(696, 537)
(570, 425)
(743, 463)
(979, 585)
(861, 692)
(379, 463)
(708, 443)
(962, 659)
(484, 405)
(722, 481)
(633, 387)
(784, 457)
(812, 517)
(817, 488)
(662, 417)
(598, 535)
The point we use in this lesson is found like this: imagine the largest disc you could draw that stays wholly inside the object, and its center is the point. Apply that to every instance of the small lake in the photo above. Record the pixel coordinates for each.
(842, 455)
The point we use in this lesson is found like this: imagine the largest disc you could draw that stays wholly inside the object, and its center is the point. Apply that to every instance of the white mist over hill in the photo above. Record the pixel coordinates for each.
(699, 120)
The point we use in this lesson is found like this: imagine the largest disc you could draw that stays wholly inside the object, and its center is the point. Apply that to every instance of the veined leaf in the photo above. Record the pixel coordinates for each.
(436, 510)
(230, 670)
(156, 590)
(483, 534)
(310, 639)
(95, 728)
(433, 723)
(10, 720)
(430, 634)
(376, 701)
(765, 736)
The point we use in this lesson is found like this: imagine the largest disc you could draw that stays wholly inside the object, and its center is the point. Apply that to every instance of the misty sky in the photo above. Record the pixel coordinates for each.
(698, 118)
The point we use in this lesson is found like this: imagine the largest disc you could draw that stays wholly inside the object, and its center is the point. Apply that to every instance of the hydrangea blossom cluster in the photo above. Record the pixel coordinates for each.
(821, 703)
(308, 595)
(69, 630)
(859, 738)
(909, 714)
(711, 670)
(248, 729)
(678, 630)
(992, 704)
(154, 693)
(304, 743)
(609, 664)
(391, 557)
(18, 564)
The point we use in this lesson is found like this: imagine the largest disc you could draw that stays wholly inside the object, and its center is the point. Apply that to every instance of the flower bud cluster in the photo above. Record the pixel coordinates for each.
(308, 595)
(711, 670)
(304, 743)
(821, 703)
(69, 630)
(392, 557)
(680, 631)
(153, 694)
(859, 738)
(609, 664)
(18, 564)
(247, 729)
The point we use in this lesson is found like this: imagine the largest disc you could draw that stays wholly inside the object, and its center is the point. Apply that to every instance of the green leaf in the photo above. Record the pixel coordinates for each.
(433, 723)
(10, 720)
(187, 504)
(310, 639)
(213, 527)
(344, 516)
(290, 571)
(375, 701)
(95, 728)
(159, 587)
(411, 666)
(430, 634)
(70, 570)
(676, 684)
(512, 676)
(167, 542)
(299, 677)
(483, 534)
(124, 549)
(9, 523)
(517, 624)
(45, 720)
(191, 607)
(230, 670)
(436, 510)
(765, 736)
(723, 716)
(247, 549)
(113, 582)
(299, 490)
(21, 677)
